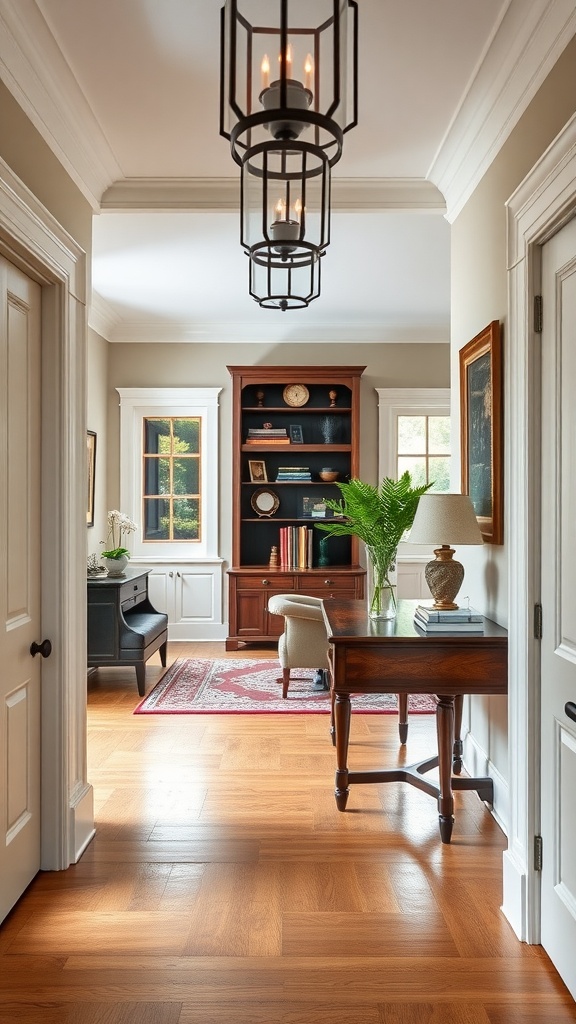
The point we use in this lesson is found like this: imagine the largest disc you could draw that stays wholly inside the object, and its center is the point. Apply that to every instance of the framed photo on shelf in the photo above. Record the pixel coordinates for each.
(314, 508)
(481, 429)
(91, 457)
(257, 470)
(296, 436)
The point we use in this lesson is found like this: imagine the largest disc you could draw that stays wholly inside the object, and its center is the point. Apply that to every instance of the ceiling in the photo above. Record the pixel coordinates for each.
(127, 95)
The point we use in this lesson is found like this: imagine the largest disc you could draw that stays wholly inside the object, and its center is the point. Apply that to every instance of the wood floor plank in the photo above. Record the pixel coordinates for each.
(223, 885)
(328, 934)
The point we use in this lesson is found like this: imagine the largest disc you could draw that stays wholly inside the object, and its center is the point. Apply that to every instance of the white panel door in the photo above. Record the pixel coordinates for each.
(558, 680)
(20, 467)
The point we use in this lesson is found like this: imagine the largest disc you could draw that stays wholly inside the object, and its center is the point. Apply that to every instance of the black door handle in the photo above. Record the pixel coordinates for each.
(570, 710)
(45, 649)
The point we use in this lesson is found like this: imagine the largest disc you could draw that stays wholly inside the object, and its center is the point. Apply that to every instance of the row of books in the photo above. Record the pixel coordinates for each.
(301, 473)
(296, 547)
(456, 620)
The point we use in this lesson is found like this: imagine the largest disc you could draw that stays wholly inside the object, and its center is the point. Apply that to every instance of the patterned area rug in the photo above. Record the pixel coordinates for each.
(238, 686)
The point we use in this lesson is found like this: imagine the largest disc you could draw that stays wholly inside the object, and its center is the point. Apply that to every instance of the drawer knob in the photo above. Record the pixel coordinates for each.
(329, 583)
(265, 583)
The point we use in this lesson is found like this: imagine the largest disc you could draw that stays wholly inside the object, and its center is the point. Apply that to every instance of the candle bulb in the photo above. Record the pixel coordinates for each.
(284, 230)
(265, 72)
(308, 72)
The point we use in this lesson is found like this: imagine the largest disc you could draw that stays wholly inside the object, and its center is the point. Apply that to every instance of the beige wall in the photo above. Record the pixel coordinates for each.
(32, 160)
(479, 295)
(97, 420)
(205, 365)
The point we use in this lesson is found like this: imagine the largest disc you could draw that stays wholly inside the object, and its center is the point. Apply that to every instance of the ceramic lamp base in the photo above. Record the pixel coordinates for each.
(444, 577)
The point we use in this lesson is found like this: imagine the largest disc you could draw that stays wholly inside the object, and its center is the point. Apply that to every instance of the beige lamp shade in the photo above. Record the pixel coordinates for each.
(445, 519)
(442, 520)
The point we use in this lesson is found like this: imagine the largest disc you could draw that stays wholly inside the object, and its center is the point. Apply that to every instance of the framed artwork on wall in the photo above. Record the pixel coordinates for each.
(481, 435)
(91, 457)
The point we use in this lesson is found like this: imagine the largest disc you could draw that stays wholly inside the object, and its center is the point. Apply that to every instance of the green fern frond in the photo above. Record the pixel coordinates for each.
(378, 516)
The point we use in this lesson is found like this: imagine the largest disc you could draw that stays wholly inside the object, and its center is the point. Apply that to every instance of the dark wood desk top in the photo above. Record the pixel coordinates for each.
(130, 573)
(396, 656)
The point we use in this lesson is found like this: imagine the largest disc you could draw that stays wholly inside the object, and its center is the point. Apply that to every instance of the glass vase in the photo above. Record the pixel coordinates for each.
(382, 588)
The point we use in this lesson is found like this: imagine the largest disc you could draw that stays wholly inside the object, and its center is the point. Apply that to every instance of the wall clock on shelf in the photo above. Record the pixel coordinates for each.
(296, 395)
(265, 502)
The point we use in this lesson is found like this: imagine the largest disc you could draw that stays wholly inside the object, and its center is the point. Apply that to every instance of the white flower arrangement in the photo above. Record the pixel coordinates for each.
(119, 526)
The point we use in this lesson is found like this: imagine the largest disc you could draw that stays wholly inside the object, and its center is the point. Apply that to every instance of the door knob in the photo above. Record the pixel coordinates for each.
(45, 649)
(570, 709)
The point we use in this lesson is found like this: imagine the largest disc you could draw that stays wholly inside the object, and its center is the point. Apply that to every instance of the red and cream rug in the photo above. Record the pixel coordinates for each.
(194, 686)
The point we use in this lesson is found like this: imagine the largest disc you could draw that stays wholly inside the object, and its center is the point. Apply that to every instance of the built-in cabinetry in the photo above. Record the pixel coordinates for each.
(191, 595)
(290, 424)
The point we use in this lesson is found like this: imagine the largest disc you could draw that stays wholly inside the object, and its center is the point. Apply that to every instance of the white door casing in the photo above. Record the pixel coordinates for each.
(33, 241)
(540, 206)
(20, 679)
(558, 649)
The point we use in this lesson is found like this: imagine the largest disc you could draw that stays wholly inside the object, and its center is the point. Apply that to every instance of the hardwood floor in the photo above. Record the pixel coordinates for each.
(224, 886)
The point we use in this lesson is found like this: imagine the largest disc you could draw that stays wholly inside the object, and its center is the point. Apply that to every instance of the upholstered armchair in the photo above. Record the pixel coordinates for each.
(304, 642)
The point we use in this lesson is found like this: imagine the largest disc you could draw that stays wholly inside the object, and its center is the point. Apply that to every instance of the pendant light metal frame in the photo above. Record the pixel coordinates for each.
(286, 134)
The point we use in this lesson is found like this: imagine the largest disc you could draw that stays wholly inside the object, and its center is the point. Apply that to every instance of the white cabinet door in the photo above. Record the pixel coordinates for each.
(191, 595)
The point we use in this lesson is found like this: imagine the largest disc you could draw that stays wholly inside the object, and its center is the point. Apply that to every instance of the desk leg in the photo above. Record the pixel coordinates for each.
(342, 725)
(458, 748)
(403, 716)
(445, 733)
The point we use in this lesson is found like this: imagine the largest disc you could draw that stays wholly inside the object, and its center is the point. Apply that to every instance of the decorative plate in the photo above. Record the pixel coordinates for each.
(265, 502)
(296, 395)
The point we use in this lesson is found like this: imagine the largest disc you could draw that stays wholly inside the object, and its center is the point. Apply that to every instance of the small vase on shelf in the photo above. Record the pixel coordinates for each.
(116, 566)
(382, 589)
(330, 428)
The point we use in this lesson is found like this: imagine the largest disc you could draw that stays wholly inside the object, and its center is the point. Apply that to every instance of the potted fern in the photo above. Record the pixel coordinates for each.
(379, 516)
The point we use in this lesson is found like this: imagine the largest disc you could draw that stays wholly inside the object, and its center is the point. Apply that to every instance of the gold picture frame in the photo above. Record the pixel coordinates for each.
(481, 436)
(257, 469)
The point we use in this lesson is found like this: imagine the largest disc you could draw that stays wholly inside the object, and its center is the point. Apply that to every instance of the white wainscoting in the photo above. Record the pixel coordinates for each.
(411, 582)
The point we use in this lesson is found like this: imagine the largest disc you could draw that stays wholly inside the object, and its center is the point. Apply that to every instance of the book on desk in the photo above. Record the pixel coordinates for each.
(450, 620)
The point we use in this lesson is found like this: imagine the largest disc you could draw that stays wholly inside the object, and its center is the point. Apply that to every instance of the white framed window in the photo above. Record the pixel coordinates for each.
(414, 434)
(169, 471)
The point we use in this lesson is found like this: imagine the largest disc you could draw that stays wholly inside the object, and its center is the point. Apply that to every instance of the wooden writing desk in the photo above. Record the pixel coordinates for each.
(397, 657)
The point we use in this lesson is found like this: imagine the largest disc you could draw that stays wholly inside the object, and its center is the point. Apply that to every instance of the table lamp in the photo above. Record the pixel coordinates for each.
(445, 519)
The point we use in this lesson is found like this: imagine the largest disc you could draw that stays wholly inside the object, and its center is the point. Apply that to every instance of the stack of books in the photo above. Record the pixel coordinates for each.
(457, 620)
(298, 473)
(267, 435)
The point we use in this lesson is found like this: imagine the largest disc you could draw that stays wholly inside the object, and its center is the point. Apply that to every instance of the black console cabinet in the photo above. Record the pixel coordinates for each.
(123, 627)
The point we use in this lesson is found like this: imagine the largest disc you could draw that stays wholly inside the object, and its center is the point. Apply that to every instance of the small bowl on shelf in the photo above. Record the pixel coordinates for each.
(328, 475)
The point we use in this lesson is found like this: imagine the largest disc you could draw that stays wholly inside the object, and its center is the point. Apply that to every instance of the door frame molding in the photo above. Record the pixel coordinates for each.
(539, 207)
(35, 242)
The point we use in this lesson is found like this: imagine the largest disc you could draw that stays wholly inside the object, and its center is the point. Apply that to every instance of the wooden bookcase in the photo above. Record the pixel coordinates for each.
(328, 423)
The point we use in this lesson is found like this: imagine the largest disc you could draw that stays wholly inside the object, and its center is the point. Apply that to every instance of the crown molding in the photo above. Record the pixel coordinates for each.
(328, 332)
(102, 317)
(523, 50)
(36, 73)
(137, 194)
